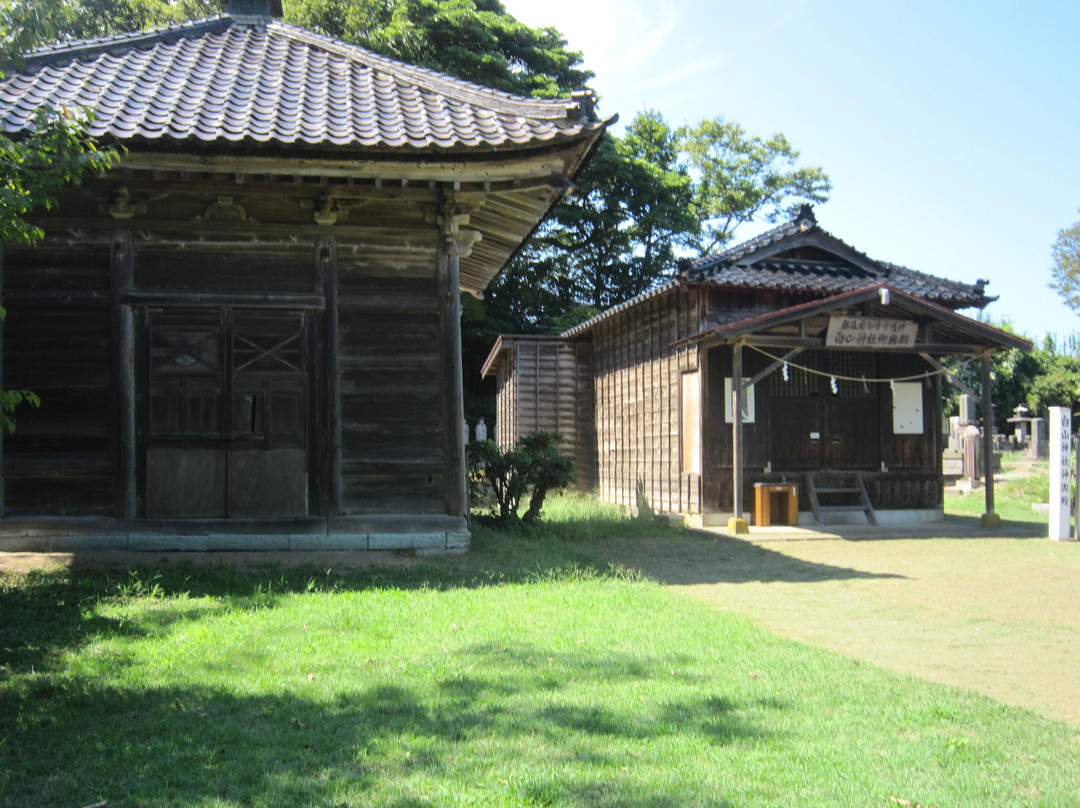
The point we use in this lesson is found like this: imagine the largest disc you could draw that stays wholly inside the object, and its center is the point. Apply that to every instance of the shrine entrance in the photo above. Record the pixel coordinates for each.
(820, 418)
(224, 408)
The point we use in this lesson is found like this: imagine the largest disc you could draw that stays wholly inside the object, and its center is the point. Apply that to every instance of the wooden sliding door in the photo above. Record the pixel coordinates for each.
(224, 406)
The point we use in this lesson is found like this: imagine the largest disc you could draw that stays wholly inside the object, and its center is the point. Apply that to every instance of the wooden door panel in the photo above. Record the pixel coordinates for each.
(793, 424)
(185, 483)
(852, 434)
(267, 483)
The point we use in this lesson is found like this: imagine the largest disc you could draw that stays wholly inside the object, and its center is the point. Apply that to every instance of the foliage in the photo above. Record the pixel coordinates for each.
(1020, 485)
(1065, 274)
(471, 39)
(535, 465)
(33, 168)
(1011, 376)
(739, 177)
(1056, 382)
(33, 22)
(1048, 376)
(645, 198)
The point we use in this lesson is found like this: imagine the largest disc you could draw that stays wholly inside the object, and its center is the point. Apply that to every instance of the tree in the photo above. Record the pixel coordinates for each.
(612, 239)
(739, 178)
(33, 167)
(1012, 373)
(1065, 274)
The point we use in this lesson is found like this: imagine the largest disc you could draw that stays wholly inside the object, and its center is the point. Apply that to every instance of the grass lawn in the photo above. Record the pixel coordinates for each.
(1020, 484)
(524, 674)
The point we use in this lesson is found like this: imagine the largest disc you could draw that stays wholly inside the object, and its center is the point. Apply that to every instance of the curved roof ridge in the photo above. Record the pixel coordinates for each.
(194, 82)
(700, 266)
(581, 104)
(44, 54)
(444, 84)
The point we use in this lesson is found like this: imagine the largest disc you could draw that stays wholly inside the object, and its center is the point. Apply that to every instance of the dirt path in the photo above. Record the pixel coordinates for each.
(999, 616)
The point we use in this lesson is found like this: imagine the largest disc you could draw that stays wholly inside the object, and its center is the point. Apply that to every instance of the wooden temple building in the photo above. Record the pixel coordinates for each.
(247, 334)
(792, 364)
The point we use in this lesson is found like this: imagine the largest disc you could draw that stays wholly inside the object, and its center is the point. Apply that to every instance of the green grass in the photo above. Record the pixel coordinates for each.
(1021, 485)
(521, 675)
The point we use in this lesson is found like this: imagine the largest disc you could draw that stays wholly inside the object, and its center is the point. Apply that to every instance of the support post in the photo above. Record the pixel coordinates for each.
(457, 494)
(3, 507)
(326, 259)
(122, 255)
(988, 519)
(737, 524)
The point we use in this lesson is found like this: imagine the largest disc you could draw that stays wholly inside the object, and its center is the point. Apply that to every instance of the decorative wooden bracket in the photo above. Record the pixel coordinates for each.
(450, 219)
(121, 206)
(224, 209)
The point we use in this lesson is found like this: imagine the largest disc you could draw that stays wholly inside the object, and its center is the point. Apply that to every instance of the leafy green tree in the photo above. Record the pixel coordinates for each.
(1012, 374)
(611, 240)
(1057, 381)
(1065, 274)
(741, 177)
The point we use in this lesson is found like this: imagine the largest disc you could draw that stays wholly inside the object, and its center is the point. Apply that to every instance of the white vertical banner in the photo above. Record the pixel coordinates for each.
(1061, 467)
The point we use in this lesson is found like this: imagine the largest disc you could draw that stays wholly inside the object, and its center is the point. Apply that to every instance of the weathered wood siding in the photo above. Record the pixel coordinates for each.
(854, 428)
(637, 380)
(57, 338)
(546, 385)
(393, 377)
(381, 420)
(506, 404)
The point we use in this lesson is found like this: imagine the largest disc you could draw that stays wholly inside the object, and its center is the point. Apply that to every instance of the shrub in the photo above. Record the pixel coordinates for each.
(535, 465)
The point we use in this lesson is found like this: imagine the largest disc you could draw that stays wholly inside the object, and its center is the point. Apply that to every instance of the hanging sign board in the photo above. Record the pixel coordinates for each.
(870, 332)
(1061, 480)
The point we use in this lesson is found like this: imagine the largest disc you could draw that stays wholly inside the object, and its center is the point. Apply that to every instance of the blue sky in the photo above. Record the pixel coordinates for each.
(950, 128)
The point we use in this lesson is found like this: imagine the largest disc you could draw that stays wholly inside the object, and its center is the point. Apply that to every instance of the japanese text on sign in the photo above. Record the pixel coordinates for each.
(870, 332)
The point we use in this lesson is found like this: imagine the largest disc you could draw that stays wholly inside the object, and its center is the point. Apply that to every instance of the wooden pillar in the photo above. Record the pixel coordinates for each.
(737, 524)
(457, 500)
(122, 257)
(988, 519)
(3, 507)
(327, 268)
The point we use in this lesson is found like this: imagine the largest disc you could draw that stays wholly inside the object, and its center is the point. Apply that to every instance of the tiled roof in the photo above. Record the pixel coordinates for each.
(765, 263)
(828, 278)
(223, 79)
(761, 263)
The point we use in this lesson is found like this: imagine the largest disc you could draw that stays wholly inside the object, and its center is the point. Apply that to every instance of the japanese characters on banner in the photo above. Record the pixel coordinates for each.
(1061, 476)
(870, 332)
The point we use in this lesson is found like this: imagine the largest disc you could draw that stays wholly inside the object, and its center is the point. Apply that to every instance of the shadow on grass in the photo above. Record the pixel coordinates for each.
(1010, 528)
(704, 559)
(489, 739)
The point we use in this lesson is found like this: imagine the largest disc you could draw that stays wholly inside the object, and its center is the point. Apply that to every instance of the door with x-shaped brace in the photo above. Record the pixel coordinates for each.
(225, 410)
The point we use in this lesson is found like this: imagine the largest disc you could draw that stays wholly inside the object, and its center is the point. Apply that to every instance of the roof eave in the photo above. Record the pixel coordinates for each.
(732, 331)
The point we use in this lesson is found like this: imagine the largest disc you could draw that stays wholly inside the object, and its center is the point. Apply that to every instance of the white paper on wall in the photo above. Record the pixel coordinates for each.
(907, 408)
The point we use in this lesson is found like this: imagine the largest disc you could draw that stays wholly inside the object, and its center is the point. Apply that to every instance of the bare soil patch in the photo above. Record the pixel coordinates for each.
(996, 615)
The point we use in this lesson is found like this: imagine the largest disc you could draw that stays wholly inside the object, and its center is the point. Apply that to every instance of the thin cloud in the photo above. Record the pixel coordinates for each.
(640, 26)
(791, 15)
(683, 72)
